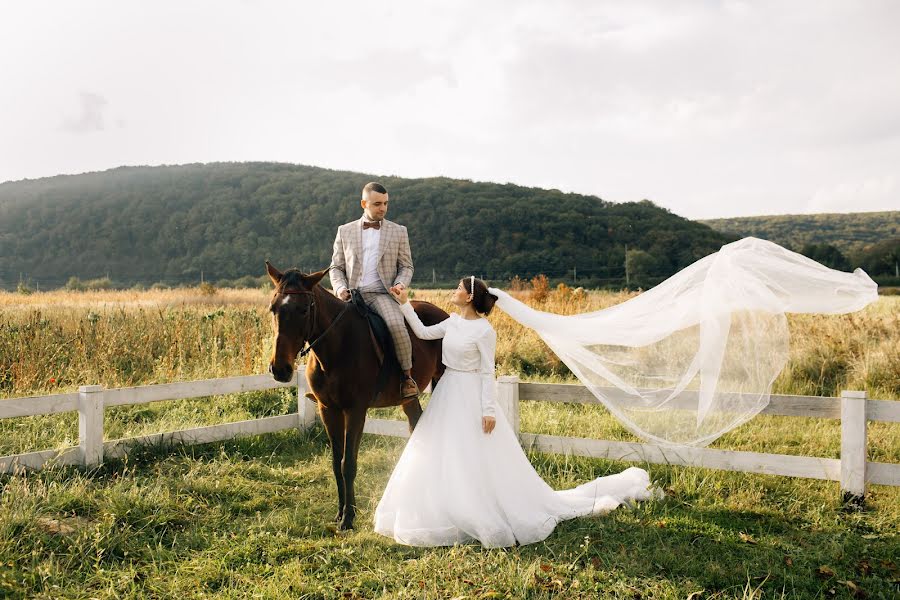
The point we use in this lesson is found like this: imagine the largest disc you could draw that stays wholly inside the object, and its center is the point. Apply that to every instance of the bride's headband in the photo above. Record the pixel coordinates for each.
(472, 288)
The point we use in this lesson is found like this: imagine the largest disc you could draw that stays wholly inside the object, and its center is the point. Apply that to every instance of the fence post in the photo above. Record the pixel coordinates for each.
(90, 424)
(508, 399)
(853, 447)
(306, 408)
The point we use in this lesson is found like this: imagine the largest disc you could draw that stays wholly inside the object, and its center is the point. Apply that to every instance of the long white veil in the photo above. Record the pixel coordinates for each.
(696, 356)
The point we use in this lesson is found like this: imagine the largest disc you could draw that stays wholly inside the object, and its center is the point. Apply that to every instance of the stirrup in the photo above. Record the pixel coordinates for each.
(413, 392)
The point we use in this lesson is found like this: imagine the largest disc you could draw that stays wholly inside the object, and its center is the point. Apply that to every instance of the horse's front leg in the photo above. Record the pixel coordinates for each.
(333, 420)
(355, 421)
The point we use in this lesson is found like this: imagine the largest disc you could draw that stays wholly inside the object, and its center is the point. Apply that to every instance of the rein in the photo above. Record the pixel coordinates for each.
(311, 319)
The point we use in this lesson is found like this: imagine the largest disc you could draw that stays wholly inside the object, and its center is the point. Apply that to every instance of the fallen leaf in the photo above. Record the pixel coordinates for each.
(824, 572)
(789, 561)
(857, 591)
(545, 568)
(746, 538)
(864, 567)
(55, 526)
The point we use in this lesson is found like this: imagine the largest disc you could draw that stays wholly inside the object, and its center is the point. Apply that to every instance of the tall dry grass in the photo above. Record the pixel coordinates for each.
(56, 341)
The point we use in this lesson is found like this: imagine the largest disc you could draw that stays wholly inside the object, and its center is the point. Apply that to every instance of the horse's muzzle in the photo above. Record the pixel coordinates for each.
(282, 373)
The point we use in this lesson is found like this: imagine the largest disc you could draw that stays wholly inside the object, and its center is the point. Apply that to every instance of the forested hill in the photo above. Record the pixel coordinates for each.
(850, 233)
(169, 224)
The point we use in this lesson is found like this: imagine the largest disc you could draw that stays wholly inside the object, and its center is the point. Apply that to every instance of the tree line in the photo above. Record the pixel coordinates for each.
(171, 225)
(183, 225)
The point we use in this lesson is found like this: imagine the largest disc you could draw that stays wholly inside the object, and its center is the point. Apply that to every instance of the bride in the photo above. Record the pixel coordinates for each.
(680, 364)
(463, 475)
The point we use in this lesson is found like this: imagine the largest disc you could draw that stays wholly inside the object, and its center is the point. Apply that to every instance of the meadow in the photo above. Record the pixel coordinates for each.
(251, 517)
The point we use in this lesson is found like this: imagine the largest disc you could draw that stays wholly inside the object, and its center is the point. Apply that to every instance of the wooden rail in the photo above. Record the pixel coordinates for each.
(854, 410)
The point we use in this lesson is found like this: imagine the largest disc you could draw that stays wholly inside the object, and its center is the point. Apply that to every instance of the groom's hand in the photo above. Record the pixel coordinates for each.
(488, 423)
(399, 293)
(345, 295)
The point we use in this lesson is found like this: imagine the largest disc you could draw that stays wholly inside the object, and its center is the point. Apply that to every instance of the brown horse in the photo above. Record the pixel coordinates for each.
(343, 366)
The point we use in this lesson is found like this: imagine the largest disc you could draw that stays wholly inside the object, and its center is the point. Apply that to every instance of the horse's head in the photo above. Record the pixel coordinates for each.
(294, 315)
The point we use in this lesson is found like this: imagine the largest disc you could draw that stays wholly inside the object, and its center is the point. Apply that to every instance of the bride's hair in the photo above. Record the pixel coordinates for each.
(482, 299)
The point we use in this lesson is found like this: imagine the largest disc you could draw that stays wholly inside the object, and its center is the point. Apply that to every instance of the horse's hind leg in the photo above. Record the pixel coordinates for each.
(413, 411)
(334, 427)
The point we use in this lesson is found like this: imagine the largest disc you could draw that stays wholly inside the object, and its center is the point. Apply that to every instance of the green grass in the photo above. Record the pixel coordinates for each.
(251, 518)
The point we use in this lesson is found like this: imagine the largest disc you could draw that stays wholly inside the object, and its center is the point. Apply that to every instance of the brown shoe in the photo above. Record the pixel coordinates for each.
(409, 389)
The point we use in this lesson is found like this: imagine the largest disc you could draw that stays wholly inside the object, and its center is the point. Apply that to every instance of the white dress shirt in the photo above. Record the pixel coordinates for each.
(371, 239)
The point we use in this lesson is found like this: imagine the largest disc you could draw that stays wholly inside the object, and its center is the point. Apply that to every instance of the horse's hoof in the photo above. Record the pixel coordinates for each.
(346, 525)
(339, 517)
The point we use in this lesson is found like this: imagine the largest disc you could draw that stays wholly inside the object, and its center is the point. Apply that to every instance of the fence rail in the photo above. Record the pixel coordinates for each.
(852, 470)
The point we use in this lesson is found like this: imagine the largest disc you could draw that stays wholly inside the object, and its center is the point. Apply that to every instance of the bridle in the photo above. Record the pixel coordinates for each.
(311, 314)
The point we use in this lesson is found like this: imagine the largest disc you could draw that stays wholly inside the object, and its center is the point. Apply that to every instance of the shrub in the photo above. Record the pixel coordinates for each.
(74, 284)
(540, 288)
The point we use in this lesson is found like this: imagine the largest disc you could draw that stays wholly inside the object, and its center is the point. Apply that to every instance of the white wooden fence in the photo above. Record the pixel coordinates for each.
(853, 469)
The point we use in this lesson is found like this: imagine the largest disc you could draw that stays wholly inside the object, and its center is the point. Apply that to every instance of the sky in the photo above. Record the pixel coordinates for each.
(707, 108)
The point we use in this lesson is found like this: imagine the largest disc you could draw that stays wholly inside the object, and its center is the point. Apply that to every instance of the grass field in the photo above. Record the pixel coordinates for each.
(251, 518)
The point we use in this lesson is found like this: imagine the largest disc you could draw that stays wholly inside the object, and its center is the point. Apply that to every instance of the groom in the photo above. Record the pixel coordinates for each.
(372, 255)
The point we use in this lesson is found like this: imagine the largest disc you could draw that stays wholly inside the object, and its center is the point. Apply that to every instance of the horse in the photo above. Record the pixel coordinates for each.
(342, 368)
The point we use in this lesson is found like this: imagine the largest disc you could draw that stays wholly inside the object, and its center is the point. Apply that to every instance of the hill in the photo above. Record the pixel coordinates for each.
(851, 233)
(220, 221)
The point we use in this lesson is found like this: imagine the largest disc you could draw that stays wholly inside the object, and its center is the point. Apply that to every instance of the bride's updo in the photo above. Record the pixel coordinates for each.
(482, 299)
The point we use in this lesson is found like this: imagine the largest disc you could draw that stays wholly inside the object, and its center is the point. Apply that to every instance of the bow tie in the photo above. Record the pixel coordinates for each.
(372, 224)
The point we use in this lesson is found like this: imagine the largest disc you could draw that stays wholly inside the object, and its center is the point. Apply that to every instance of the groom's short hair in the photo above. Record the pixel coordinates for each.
(374, 186)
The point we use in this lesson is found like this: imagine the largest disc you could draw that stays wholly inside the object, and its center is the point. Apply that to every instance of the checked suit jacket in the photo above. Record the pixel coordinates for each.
(394, 257)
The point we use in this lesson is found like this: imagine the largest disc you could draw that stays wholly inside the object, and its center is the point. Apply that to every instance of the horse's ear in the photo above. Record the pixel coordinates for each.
(314, 278)
(274, 274)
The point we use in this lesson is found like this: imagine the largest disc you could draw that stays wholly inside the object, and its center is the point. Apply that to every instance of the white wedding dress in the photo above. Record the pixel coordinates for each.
(455, 484)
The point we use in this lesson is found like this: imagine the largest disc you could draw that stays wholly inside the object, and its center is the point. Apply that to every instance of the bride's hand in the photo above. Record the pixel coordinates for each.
(488, 423)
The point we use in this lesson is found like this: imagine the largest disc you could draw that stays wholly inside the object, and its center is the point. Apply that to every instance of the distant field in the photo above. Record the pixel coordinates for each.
(56, 341)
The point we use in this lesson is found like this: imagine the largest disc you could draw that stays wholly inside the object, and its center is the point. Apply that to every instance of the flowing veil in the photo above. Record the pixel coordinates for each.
(695, 356)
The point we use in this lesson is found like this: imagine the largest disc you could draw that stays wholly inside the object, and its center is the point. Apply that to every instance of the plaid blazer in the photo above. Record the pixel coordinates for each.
(394, 257)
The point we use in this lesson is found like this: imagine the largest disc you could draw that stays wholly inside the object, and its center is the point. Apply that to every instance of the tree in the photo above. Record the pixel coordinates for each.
(827, 254)
(642, 267)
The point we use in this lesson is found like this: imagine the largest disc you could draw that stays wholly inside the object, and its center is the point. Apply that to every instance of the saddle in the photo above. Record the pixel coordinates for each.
(381, 340)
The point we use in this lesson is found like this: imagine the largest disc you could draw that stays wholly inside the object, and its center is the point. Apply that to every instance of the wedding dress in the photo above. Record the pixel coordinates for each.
(454, 483)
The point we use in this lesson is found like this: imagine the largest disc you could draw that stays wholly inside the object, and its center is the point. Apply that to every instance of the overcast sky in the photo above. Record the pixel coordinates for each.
(707, 108)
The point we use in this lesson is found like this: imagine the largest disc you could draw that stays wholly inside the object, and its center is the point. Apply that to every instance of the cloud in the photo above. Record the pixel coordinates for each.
(91, 117)
(708, 108)
(389, 71)
(872, 194)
